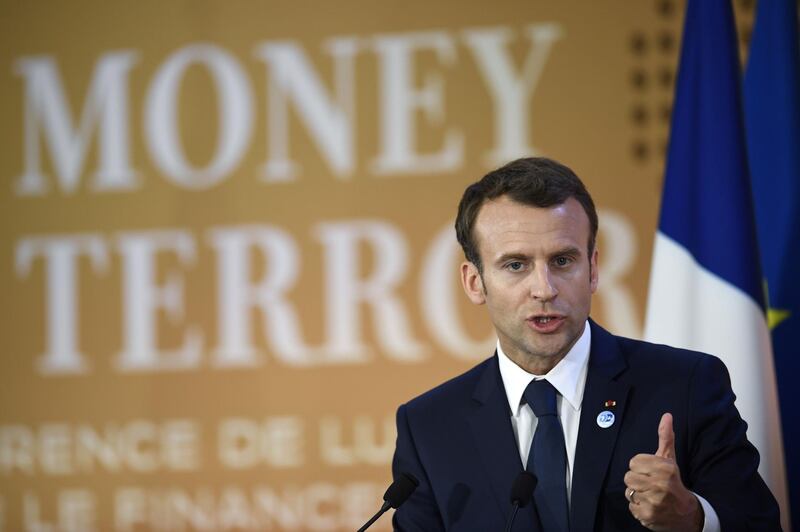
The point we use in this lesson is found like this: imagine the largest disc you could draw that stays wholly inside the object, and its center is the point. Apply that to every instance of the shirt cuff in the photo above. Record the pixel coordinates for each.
(710, 519)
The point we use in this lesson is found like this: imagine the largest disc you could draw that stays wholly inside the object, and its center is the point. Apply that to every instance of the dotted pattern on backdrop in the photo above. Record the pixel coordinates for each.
(654, 61)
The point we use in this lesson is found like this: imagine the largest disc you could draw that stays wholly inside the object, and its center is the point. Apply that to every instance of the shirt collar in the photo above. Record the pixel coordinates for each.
(568, 377)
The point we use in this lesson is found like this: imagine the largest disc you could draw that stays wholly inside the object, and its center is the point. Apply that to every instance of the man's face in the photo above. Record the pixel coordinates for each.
(537, 280)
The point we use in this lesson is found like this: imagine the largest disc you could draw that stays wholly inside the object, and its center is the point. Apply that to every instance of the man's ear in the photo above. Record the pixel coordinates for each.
(472, 282)
(594, 275)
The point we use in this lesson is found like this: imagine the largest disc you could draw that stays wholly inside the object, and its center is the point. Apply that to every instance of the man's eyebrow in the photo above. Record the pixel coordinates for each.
(515, 255)
(571, 250)
(518, 255)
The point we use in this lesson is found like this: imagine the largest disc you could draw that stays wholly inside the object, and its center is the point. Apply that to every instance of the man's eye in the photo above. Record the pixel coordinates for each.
(515, 266)
(563, 261)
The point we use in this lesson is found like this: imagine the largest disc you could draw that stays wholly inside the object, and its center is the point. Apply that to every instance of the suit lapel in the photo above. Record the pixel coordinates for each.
(491, 429)
(596, 444)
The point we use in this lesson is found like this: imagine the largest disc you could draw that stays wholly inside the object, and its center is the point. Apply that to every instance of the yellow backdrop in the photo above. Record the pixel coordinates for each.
(227, 249)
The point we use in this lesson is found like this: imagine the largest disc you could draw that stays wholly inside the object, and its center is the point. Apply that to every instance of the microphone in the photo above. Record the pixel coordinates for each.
(396, 494)
(521, 494)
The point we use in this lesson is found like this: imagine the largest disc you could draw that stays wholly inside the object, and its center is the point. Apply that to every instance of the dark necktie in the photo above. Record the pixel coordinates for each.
(547, 458)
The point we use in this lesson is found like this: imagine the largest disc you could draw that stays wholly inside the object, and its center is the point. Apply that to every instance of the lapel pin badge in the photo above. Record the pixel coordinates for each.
(605, 419)
(610, 403)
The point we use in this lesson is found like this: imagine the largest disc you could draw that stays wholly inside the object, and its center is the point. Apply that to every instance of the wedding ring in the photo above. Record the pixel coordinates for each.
(629, 493)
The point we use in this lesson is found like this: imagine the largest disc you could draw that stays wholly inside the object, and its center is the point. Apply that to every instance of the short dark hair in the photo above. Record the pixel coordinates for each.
(534, 181)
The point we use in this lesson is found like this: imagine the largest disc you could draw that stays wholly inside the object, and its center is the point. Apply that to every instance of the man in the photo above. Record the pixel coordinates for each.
(621, 434)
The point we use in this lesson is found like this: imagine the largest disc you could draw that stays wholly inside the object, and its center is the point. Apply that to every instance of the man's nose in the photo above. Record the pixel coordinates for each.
(542, 286)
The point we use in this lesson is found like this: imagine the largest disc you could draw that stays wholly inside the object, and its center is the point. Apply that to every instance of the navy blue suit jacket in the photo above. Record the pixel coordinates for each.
(458, 441)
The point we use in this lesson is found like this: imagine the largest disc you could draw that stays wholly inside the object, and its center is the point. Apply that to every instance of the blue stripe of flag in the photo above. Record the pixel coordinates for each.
(707, 203)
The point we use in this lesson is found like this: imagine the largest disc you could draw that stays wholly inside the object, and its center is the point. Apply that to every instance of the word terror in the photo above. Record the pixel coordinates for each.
(155, 265)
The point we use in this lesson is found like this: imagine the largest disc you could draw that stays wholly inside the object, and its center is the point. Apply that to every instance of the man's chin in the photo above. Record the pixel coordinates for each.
(548, 355)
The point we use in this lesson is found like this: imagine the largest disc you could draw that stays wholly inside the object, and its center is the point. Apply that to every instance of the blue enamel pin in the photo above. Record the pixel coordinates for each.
(605, 419)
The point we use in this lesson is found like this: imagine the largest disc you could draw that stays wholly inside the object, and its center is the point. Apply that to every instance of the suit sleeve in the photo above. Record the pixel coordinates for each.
(420, 512)
(723, 464)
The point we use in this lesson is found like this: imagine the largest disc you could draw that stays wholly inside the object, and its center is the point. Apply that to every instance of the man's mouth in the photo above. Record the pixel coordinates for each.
(546, 323)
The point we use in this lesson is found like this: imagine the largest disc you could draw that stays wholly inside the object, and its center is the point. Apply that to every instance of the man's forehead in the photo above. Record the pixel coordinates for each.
(506, 223)
(505, 214)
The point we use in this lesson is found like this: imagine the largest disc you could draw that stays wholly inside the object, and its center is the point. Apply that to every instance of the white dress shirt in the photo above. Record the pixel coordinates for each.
(569, 380)
(568, 377)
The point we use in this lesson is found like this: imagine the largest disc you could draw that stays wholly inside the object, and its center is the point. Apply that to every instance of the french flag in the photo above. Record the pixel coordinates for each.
(706, 290)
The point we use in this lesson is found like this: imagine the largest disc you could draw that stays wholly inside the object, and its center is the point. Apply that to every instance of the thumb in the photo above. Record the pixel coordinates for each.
(666, 437)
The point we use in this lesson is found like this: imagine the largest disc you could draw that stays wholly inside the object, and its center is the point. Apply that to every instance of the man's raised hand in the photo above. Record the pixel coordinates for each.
(656, 495)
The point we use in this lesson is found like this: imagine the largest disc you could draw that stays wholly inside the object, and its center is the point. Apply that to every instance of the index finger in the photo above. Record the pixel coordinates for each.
(645, 463)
